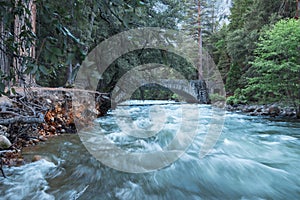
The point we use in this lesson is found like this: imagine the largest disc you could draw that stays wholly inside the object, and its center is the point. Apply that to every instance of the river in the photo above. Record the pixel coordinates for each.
(253, 158)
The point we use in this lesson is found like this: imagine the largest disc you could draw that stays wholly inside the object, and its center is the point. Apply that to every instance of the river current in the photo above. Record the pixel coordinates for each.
(253, 158)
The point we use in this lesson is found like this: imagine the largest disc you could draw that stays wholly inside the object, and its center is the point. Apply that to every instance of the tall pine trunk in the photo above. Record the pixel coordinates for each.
(24, 51)
(4, 60)
(200, 63)
(5, 55)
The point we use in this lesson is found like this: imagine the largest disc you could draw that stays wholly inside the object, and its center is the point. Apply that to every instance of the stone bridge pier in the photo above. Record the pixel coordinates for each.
(200, 90)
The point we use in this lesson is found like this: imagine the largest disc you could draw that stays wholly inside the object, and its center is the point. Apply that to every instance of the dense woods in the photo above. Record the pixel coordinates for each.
(256, 47)
(258, 53)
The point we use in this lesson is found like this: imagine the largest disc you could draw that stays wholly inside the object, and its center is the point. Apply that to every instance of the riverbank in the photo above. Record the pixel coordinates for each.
(26, 120)
(33, 115)
(271, 110)
(38, 116)
(259, 152)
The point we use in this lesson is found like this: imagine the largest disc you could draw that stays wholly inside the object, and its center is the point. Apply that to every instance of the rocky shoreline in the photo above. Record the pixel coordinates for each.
(271, 110)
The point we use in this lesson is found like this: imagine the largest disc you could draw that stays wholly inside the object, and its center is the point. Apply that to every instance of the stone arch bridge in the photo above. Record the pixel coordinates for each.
(194, 91)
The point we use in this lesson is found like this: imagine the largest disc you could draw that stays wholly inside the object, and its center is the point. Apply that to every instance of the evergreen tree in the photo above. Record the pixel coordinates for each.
(277, 65)
(248, 19)
(68, 30)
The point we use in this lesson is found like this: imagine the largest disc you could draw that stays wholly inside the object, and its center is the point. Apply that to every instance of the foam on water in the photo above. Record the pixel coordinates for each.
(254, 158)
(28, 181)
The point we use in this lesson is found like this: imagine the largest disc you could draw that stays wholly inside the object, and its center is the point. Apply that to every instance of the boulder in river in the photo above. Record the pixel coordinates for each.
(274, 111)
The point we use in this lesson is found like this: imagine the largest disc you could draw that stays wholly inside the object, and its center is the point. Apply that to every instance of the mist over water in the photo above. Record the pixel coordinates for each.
(254, 158)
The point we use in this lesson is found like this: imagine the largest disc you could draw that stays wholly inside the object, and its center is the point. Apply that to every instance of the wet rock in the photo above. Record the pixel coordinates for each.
(36, 158)
(259, 109)
(274, 111)
(287, 113)
(4, 142)
(3, 128)
(240, 108)
(264, 113)
(49, 101)
(42, 138)
(219, 104)
(3, 131)
(254, 113)
(290, 112)
(30, 142)
(5, 103)
(35, 141)
(229, 107)
(263, 110)
(19, 162)
(249, 109)
(52, 129)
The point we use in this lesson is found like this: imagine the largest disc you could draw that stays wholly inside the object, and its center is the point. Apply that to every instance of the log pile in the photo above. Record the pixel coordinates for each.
(19, 118)
(32, 118)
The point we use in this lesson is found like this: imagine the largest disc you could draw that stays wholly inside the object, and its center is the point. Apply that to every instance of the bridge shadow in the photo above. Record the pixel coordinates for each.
(151, 92)
(194, 91)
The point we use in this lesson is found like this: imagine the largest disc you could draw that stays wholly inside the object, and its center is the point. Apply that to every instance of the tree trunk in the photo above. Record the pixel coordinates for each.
(23, 50)
(4, 59)
(17, 60)
(200, 67)
(32, 6)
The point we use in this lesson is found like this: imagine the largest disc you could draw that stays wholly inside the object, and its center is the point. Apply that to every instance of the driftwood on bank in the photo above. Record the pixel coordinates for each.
(23, 120)
(33, 115)
(23, 116)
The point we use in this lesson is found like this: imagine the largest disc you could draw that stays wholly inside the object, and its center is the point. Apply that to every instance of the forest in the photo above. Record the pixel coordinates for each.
(255, 47)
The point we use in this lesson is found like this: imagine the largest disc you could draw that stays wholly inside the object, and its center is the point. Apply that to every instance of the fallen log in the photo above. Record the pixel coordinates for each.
(71, 90)
(23, 119)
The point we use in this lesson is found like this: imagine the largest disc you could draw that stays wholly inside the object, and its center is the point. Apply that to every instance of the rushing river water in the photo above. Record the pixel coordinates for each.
(254, 158)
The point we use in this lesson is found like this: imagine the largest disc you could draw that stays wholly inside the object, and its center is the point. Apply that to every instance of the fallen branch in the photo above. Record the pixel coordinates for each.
(23, 119)
(7, 151)
(2, 169)
(9, 113)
